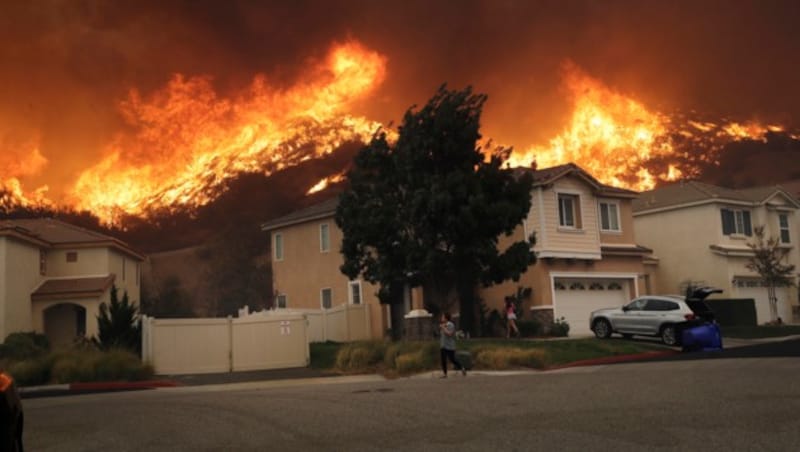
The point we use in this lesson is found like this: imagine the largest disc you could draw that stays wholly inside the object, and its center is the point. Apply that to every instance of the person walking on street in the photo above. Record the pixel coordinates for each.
(447, 344)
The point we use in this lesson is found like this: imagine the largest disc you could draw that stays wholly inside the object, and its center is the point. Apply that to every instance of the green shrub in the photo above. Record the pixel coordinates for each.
(31, 372)
(74, 366)
(529, 328)
(19, 346)
(80, 365)
(559, 328)
(510, 358)
(120, 365)
(323, 354)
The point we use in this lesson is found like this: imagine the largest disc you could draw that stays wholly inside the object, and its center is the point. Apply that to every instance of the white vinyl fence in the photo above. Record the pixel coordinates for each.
(343, 323)
(186, 346)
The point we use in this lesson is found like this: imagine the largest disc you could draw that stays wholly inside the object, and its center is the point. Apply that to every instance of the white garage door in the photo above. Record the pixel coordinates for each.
(575, 298)
(759, 294)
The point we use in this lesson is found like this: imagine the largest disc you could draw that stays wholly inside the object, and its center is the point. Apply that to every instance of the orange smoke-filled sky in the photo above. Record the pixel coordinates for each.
(68, 65)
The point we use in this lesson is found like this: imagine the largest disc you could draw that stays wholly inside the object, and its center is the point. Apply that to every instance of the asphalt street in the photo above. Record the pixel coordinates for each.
(704, 404)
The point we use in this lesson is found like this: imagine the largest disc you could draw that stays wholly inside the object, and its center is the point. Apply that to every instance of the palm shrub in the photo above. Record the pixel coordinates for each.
(118, 324)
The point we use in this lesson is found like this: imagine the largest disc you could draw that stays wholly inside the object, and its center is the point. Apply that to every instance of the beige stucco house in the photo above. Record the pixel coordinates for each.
(588, 256)
(305, 263)
(700, 233)
(53, 277)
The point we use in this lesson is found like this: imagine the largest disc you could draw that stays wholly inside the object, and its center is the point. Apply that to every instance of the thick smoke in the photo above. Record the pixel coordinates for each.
(67, 64)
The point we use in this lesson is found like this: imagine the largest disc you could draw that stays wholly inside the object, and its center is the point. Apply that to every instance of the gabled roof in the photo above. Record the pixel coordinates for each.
(546, 176)
(68, 288)
(541, 178)
(317, 211)
(59, 234)
(688, 193)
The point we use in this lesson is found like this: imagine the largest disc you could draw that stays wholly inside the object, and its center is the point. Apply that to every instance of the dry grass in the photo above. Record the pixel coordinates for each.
(509, 358)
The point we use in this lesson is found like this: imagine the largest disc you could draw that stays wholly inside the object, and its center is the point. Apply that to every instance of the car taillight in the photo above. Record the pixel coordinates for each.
(5, 381)
(689, 317)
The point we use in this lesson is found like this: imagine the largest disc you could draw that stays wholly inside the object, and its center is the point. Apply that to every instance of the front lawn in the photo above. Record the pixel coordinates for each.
(762, 331)
(403, 358)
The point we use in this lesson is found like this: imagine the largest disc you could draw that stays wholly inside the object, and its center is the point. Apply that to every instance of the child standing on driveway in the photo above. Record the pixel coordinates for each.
(447, 344)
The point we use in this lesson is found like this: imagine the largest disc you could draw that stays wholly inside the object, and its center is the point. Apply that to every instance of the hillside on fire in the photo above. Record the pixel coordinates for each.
(179, 127)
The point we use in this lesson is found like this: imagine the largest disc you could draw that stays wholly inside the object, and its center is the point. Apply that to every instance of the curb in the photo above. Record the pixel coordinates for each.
(615, 359)
(29, 392)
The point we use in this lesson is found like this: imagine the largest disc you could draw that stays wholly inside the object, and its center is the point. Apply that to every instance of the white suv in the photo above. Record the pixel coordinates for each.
(653, 315)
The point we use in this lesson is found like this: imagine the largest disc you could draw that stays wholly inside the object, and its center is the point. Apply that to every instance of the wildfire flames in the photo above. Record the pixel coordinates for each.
(185, 141)
(618, 140)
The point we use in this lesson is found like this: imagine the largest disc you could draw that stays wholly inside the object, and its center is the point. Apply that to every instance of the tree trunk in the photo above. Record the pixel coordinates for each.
(397, 313)
(466, 303)
(773, 302)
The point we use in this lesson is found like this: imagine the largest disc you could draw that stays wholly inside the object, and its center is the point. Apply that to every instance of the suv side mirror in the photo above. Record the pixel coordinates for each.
(625, 309)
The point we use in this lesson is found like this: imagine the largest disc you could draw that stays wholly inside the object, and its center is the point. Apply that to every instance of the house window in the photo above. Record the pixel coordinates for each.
(577, 286)
(278, 247)
(324, 238)
(326, 298)
(736, 222)
(596, 286)
(355, 292)
(280, 301)
(72, 256)
(609, 216)
(614, 286)
(783, 224)
(42, 262)
(568, 211)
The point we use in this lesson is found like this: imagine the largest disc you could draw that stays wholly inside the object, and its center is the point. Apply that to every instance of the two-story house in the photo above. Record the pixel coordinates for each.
(588, 257)
(53, 277)
(700, 233)
(305, 262)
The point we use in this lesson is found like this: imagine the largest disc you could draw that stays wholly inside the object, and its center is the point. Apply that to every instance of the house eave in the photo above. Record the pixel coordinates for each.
(267, 227)
(568, 255)
(731, 251)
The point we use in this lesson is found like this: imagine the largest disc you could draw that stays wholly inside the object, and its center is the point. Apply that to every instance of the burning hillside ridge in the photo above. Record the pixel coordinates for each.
(184, 142)
(623, 143)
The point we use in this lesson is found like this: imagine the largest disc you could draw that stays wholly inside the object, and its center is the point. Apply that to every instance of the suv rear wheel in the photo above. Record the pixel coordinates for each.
(602, 329)
(669, 335)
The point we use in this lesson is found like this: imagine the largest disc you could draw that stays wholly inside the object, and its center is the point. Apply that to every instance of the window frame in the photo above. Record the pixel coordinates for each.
(351, 292)
(575, 201)
(618, 219)
(324, 238)
(285, 298)
(322, 297)
(784, 228)
(72, 256)
(277, 246)
(737, 219)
